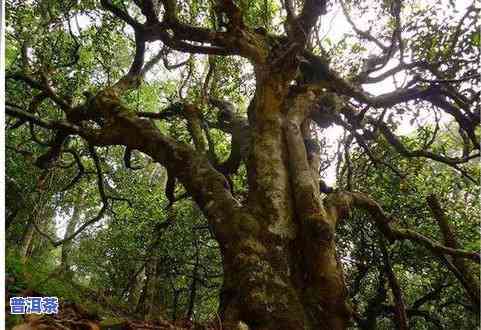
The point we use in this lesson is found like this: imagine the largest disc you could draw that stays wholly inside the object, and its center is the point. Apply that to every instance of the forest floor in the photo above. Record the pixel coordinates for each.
(73, 316)
(91, 312)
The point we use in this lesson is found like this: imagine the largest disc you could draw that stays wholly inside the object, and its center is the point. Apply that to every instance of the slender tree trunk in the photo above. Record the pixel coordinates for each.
(175, 304)
(14, 201)
(135, 289)
(465, 274)
(27, 239)
(71, 225)
(149, 304)
(36, 214)
(400, 314)
(157, 302)
(375, 305)
(145, 301)
(193, 285)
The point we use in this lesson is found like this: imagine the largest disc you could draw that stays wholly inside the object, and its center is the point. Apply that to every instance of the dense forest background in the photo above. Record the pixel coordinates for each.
(117, 223)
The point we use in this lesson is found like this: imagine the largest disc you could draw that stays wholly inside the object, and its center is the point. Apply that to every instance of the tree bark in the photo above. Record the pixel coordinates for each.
(280, 265)
(27, 239)
(71, 225)
(400, 314)
(146, 300)
(467, 277)
(193, 285)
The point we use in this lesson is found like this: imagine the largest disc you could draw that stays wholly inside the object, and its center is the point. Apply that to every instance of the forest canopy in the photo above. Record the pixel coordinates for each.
(243, 164)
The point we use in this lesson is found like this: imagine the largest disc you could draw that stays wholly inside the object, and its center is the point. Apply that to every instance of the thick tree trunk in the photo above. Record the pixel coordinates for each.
(280, 265)
(268, 284)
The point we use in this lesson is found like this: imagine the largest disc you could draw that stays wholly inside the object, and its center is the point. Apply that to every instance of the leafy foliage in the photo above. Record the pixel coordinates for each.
(151, 253)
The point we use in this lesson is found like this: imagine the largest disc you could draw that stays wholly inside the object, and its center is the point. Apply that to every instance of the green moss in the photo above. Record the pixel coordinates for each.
(318, 227)
(12, 320)
(248, 225)
(112, 324)
(248, 259)
(252, 245)
(284, 228)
